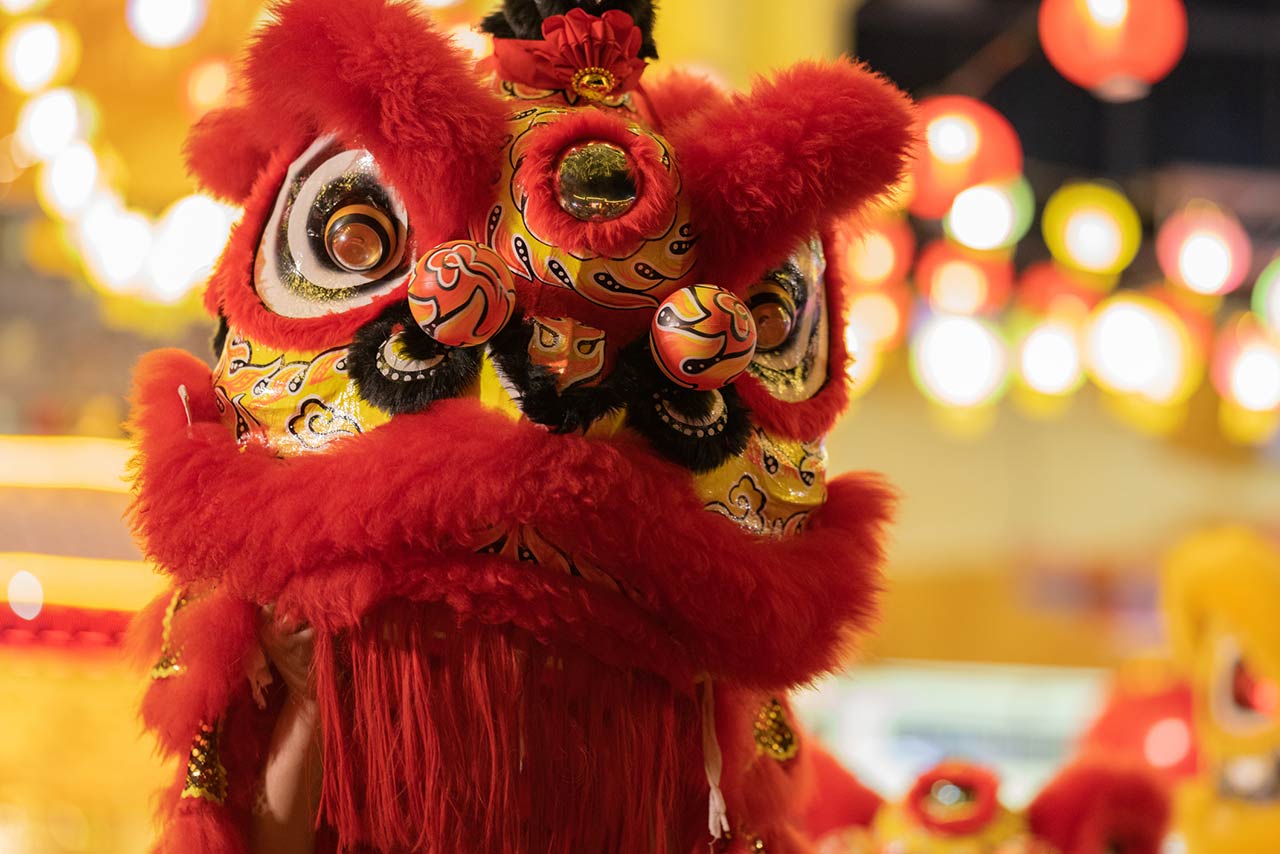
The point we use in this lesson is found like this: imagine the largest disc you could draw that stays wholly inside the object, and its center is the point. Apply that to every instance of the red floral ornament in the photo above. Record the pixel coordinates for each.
(592, 56)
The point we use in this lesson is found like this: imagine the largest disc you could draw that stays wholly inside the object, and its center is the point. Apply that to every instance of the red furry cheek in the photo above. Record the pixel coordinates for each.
(539, 154)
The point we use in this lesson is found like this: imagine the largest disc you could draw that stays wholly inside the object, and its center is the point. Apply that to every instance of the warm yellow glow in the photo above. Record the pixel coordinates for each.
(959, 361)
(1108, 13)
(165, 23)
(14, 7)
(188, 240)
(69, 180)
(1204, 262)
(1049, 359)
(958, 288)
(876, 316)
(35, 52)
(1255, 377)
(115, 244)
(90, 583)
(207, 85)
(952, 138)
(63, 462)
(48, 123)
(983, 217)
(1136, 346)
(1092, 227)
(873, 257)
(1093, 239)
(472, 40)
(865, 360)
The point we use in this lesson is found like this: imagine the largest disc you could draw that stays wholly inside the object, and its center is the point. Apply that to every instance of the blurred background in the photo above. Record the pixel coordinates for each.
(1067, 326)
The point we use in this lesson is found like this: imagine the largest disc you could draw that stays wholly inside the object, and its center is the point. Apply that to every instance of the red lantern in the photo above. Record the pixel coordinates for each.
(1046, 288)
(876, 253)
(1116, 48)
(956, 280)
(966, 143)
(1204, 249)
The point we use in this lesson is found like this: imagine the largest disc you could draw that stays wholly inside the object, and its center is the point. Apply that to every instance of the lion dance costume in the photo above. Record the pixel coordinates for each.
(1222, 604)
(519, 402)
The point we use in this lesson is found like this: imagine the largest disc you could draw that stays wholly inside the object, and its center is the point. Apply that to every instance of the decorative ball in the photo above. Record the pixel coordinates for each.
(702, 337)
(461, 293)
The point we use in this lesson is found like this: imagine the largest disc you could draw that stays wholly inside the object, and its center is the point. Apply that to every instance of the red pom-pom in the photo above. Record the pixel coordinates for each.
(703, 337)
(462, 294)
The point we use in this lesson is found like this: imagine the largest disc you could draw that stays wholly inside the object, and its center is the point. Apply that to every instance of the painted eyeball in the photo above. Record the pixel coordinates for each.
(336, 238)
(595, 182)
(789, 305)
(360, 238)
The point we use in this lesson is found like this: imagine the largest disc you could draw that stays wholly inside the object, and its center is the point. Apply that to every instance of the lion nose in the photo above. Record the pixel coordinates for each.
(595, 182)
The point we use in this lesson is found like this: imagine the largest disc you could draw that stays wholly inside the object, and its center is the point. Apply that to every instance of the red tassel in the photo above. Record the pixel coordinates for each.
(446, 738)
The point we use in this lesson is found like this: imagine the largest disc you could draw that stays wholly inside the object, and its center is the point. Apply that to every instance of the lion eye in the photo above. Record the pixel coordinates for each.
(359, 238)
(774, 311)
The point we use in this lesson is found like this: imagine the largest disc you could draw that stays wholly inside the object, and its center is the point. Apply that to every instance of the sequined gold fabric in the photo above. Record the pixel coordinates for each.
(168, 664)
(773, 733)
(206, 778)
(293, 402)
(771, 488)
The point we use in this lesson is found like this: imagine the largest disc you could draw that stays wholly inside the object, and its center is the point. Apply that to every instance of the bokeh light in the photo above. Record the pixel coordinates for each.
(1115, 48)
(991, 216)
(959, 361)
(166, 23)
(115, 244)
(68, 181)
(26, 595)
(1266, 297)
(865, 360)
(1092, 227)
(966, 143)
(36, 53)
(880, 316)
(958, 281)
(879, 253)
(1138, 345)
(188, 239)
(1204, 249)
(208, 84)
(49, 123)
(1049, 358)
(1167, 743)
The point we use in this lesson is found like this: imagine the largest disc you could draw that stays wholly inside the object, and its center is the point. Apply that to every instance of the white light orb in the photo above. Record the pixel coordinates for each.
(1255, 377)
(188, 240)
(166, 23)
(983, 217)
(26, 595)
(1204, 262)
(959, 361)
(1135, 347)
(1093, 239)
(69, 180)
(952, 139)
(116, 244)
(1108, 13)
(33, 54)
(873, 257)
(49, 123)
(1167, 743)
(1049, 359)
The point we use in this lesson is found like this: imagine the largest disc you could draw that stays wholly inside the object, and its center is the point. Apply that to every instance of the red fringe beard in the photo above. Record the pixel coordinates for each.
(445, 737)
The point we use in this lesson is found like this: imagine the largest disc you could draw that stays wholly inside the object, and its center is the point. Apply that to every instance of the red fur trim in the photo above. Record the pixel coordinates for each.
(143, 639)
(226, 151)
(202, 511)
(232, 292)
(381, 76)
(810, 419)
(197, 827)
(616, 238)
(1098, 803)
(817, 142)
(838, 799)
(222, 630)
(494, 743)
(675, 96)
(983, 787)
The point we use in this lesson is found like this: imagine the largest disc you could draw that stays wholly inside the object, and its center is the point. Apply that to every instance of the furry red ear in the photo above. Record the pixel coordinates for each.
(380, 76)
(1096, 806)
(225, 152)
(764, 169)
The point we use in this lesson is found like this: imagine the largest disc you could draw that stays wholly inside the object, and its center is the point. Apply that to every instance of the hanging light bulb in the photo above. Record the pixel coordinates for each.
(1116, 48)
